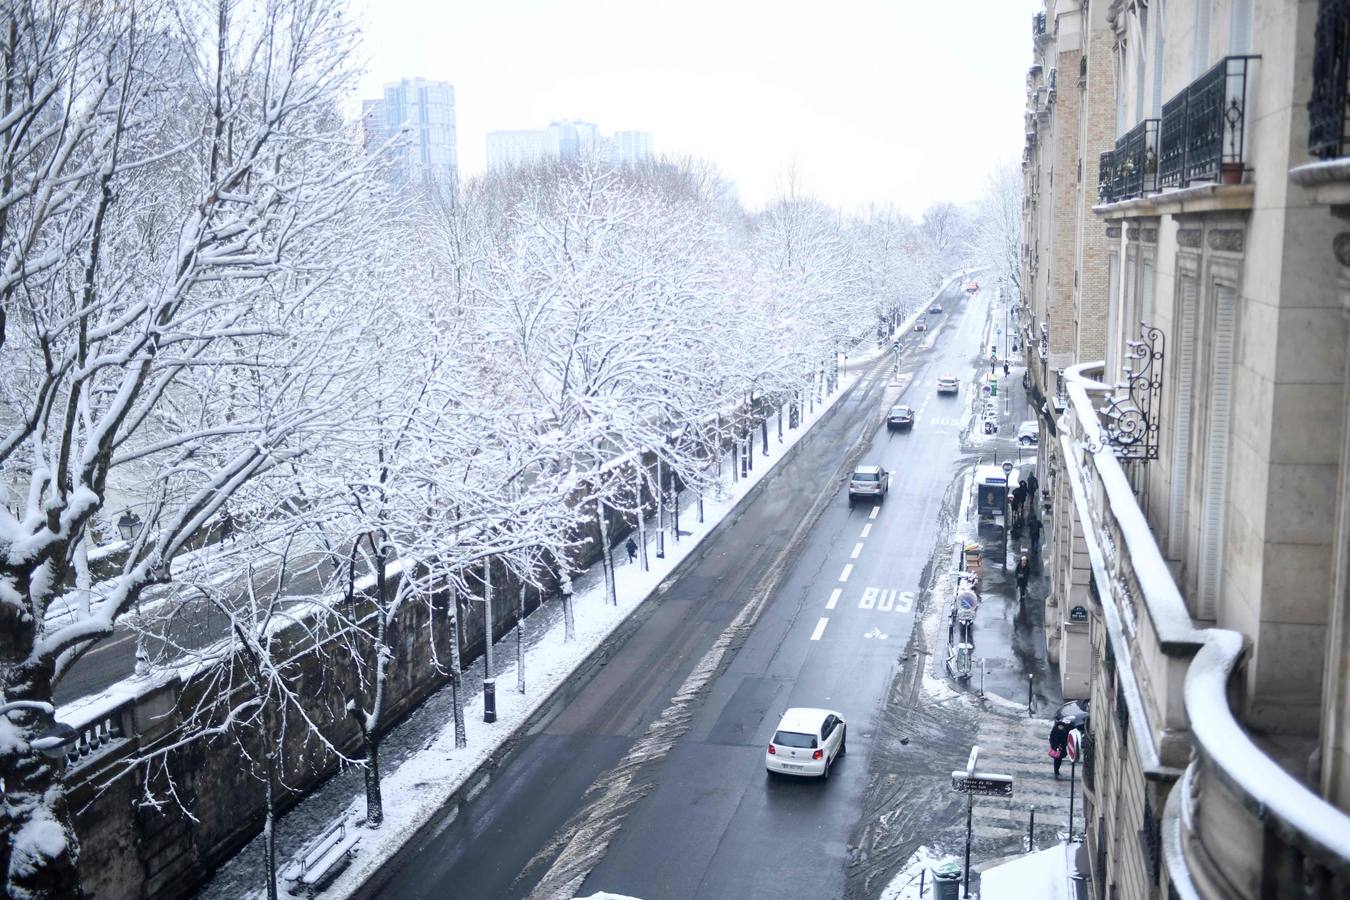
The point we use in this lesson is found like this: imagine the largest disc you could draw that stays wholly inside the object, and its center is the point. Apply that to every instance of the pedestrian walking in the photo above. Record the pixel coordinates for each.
(1023, 575)
(1059, 743)
(1005, 370)
(1032, 487)
(631, 547)
(1035, 528)
(1019, 496)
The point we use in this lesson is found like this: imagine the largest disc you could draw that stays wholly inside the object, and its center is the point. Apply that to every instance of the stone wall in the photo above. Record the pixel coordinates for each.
(157, 830)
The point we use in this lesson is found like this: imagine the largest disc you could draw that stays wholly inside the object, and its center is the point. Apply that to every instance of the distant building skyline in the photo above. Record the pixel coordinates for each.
(426, 109)
(508, 149)
(566, 140)
(629, 147)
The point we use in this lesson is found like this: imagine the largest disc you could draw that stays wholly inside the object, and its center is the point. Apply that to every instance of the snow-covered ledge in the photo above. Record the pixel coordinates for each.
(1237, 825)
(1241, 826)
(1148, 629)
(1327, 180)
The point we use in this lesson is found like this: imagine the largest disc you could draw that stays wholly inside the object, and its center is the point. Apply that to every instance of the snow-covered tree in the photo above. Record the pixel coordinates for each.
(176, 184)
(998, 224)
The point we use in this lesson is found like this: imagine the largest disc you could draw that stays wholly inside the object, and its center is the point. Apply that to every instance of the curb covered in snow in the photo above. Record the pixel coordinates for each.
(438, 802)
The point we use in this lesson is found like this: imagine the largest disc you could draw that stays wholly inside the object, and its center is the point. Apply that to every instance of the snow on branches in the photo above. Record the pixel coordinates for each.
(217, 316)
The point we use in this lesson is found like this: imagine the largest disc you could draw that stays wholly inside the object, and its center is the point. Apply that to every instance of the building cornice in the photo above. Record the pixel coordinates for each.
(1327, 180)
(1201, 198)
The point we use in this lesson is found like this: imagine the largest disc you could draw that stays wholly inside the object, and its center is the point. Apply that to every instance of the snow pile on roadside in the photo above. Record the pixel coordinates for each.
(915, 876)
(427, 780)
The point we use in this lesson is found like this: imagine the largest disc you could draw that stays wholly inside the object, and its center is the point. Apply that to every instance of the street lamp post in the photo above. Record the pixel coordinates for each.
(128, 525)
(129, 528)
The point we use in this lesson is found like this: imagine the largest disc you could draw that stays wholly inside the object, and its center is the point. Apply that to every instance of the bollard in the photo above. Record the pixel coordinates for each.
(1029, 684)
(981, 676)
(489, 700)
(923, 874)
(1031, 831)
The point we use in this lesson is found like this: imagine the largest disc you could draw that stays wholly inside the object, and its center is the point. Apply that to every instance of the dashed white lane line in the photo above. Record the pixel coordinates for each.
(873, 514)
(857, 551)
(834, 598)
(820, 628)
(867, 529)
(848, 570)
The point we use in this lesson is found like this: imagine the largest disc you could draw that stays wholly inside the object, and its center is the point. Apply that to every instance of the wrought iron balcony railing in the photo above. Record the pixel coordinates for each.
(1131, 170)
(1203, 129)
(1327, 136)
(1137, 153)
(1106, 178)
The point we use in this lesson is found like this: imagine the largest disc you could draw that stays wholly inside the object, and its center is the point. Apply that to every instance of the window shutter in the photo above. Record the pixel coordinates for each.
(1216, 454)
(1181, 423)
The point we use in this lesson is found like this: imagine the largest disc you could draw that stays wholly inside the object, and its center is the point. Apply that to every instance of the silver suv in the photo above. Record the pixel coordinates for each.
(869, 483)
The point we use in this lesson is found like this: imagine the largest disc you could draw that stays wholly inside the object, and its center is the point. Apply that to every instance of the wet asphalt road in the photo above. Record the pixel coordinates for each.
(194, 623)
(840, 584)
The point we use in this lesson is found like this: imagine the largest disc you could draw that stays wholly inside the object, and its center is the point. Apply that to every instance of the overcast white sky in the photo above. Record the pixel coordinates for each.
(903, 101)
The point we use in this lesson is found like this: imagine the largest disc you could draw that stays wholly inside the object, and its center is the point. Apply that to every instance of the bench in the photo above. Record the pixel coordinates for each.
(322, 861)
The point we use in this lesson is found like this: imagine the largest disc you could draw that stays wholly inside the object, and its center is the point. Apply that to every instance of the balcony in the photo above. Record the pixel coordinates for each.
(1131, 169)
(1235, 824)
(1106, 188)
(1136, 157)
(1328, 179)
(1203, 130)
(1327, 136)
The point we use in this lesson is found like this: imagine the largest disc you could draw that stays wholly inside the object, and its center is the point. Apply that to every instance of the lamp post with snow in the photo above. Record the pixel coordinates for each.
(128, 526)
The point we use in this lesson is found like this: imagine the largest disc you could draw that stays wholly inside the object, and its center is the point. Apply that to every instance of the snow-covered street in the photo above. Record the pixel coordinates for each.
(425, 770)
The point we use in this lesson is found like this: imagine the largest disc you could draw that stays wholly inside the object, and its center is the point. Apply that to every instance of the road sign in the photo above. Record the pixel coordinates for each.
(1075, 741)
(988, 784)
(1007, 468)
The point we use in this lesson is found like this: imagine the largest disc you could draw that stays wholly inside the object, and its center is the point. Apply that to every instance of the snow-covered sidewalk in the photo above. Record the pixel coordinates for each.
(423, 769)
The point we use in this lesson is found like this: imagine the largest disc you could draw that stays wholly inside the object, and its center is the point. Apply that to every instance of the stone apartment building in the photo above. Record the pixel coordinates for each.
(1070, 111)
(1196, 448)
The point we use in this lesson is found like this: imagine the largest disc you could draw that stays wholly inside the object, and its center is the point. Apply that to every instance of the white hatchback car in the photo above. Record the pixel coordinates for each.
(807, 742)
(1029, 433)
(949, 384)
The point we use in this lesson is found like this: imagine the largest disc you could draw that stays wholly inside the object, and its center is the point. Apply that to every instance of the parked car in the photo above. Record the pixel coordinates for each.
(869, 483)
(899, 417)
(1029, 433)
(806, 743)
(935, 308)
(949, 384)
(919, 326)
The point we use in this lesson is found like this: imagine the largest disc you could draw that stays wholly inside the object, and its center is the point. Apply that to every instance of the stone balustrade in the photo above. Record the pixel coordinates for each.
(1236, 825)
